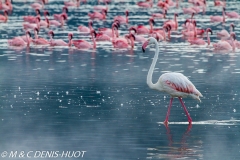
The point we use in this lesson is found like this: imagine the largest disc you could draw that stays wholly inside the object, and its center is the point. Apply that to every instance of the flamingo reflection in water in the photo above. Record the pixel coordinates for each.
(181, 149)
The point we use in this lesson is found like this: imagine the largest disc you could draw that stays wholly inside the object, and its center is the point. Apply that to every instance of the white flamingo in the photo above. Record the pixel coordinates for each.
(175, 84)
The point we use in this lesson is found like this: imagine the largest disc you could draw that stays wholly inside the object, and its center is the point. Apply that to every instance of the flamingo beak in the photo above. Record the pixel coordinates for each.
(144, 46)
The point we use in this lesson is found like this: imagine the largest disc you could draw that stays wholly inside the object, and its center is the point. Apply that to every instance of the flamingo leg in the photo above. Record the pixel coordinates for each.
(185, 109)
(168, 112)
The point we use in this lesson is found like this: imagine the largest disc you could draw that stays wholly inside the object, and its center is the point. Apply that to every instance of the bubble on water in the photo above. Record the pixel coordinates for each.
(234, 110)
(197, 106)
(98, 92)
(15, 96)
(66, 92)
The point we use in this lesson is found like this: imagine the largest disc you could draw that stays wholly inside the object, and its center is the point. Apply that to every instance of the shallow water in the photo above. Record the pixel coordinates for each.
(95, 104)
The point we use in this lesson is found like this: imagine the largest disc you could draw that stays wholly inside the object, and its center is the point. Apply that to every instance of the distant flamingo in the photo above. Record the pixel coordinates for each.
(219, 3)
(32, 19)
(84, 29)
(141, 29)
(218, 18)
(111, 32)
(39, 40)
(58, 17)
(159, 15)
(83, 44)
(59, 42)
(145, 4)
(4, 18)
(98, 15)
(7, 6)
(124, 42)
(32, 25)
(223, 34)
(101, 7)
(122, 19)
(232, 14)
(72, 4)
(57, 23)
(175, 84)
(172, 23)
(224, 45)
(199, 41)
(38, 5)
(18, 41)
(138, 38)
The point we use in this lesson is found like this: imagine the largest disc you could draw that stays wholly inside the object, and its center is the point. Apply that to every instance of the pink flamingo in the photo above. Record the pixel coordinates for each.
(141, 29)
(232, 14)
(32, 19)
(84, 29)
(138, 38)
(172, 23)
(83, 44)
(145, 4)
(57, 23)
(98, 15)
(218, 18)
(159, 15)
(7, 6)
(224, 45)
(72, 4)
(111, 32)
(59, 42)
(219, 3)
(32, 25)
(175, 84)
(58, 17)
(4, 18)
(38, 5)
(18, 41)
(199, 41)
(39, 40)
(163, 5)
(101, 7)
(126, 42)
(189, 10)
(122, 19)
(223, 34)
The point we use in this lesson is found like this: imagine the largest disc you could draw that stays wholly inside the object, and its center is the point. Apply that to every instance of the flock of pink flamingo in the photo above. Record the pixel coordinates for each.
(136, 34)
(175, 84)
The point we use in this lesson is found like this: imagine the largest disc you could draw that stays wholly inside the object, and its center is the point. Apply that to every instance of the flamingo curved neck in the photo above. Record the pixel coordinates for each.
(150, 72)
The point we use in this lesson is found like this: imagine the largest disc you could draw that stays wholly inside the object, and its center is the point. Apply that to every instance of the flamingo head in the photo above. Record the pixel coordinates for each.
(149, 41)
(6, 13)
(187, 21)
(167, 28)
(133, 29)
(28, 33)
(65, 9)
(38, 19)
(127, 13)
(195, 23)
(104, 11)
(151, 20)
(176, 15)
(51, 33)
(94, 33)
(36, 29)
(132, 36)
(70, 35)
(64, 17)
(117, 23)
(37, 12)
(233, 26)
(224, 9)
(90, 23)
(209, 30)
(43, 1)
(233, 35)
(46, 13)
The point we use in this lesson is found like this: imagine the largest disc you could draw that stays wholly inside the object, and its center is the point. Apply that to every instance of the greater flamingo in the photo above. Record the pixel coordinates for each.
(124, 42)
(159, 15)
(72, 4)
(232, 14)
(141, 29)
(172, 23)
(145, 4)
(59, 16)
(38, 5)
(175, 84)
(32, 19)
(32, 25)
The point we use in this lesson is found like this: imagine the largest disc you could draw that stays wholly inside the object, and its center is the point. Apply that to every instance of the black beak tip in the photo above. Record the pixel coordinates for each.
(143, 50)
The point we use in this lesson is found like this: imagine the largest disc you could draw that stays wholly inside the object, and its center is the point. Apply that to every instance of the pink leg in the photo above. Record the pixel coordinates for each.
(168, 113)
(185, 109)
